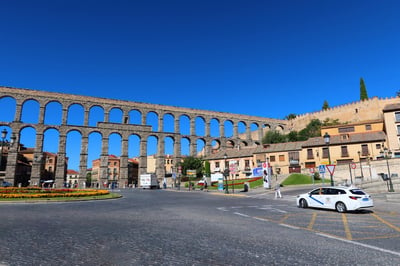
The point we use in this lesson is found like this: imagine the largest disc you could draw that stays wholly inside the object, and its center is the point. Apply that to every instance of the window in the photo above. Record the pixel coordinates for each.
(216, 164)
(368, 127)
(324, 153)
(310, 154)
(272, 158)
(364, 150)
(346, 129)
(345, 152)
(398, 130)
(378, 146)
(281, 158)
(345, 136)
(294, 155)
(247, 163)
(397, 116)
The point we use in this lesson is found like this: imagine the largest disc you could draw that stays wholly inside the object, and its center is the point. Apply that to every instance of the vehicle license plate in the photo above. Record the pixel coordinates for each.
(365, 199)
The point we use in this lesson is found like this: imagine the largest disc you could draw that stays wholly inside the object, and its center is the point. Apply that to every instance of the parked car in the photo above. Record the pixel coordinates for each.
(341, 199)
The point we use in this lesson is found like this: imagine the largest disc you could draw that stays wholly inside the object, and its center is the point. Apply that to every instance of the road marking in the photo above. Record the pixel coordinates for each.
(241, 214)
(260, 219)
(361, 244)
(284, 218)
(386, 222)
(290, 226)
(346, 227)
(312, 221)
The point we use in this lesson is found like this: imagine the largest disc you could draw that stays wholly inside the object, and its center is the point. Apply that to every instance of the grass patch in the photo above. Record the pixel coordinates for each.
(300, 179)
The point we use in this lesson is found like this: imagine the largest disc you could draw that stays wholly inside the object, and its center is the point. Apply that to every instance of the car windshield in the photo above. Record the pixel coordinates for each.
(357, 191)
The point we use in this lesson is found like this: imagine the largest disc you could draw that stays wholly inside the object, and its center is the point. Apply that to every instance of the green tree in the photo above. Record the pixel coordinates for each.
(313, 129)
(292, 136)
(330, 122)
(207, 169)
(363, 90)
(290, 116)
(325, 106)
(88, 178)
(273, 136)
(192, 163)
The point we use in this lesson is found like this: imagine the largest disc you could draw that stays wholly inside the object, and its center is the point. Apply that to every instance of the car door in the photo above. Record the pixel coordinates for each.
(331, 196)
(317, 198)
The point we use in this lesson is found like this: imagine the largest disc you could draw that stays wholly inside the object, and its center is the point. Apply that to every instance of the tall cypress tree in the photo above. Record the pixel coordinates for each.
(325, 106)
(363, 91)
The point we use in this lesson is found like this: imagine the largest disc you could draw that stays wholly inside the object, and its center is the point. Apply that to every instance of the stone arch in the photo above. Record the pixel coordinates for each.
(30, 111)
(200, 126)
(53, 113)
(168, 122)
(116, 115)
(152, 120)
(228, 128)
(8, 103)
(214, 127)
(184, 124)
(135, 117)
(96, 114)
(75, 114)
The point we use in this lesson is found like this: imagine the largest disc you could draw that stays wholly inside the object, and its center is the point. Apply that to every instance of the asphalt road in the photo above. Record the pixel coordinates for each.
(161, 227)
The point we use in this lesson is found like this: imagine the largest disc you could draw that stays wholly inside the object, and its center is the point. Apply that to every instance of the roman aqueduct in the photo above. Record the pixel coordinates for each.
(125, 128)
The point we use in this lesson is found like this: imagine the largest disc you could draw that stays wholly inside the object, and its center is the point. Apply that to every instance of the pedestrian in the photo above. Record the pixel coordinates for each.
(278, 191)
(205, 185)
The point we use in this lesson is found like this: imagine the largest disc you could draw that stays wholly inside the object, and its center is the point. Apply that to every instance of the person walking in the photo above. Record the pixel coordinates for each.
(278, 191)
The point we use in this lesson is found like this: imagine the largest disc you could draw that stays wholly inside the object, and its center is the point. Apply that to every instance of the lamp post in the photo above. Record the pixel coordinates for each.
(327, 139)
(359, 158)
(387, 153)
(3, 137)
(226, 173)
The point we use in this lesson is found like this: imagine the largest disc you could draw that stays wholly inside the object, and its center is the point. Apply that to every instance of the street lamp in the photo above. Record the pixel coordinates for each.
(386, 154)
(226, 173)
(3, 137)
(359, 158)
(327, 139)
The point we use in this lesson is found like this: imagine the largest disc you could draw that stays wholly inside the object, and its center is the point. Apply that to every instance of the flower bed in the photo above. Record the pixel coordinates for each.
(36, 192)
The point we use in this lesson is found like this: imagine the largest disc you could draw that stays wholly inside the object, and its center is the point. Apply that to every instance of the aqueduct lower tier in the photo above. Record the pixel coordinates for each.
(124, 129)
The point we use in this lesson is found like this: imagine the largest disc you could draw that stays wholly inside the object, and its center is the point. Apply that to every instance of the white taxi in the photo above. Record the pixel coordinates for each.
(341, 199)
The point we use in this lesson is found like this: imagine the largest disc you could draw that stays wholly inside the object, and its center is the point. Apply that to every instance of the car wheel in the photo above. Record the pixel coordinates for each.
(303, 203)
(341, 207)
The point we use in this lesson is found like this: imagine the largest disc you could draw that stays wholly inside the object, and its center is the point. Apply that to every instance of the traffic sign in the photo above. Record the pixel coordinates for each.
(353, 166)
(331, 168)
(321, 169)
(311, 170)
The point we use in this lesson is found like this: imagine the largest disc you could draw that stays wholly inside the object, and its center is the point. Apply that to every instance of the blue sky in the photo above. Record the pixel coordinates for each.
(262, 58)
